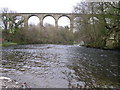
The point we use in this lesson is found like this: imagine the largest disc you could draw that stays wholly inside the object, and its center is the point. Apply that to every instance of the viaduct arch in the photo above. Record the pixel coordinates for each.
(50, 16)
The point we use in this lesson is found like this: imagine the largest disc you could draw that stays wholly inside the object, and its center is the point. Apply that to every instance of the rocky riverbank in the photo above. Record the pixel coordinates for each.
(6, 82)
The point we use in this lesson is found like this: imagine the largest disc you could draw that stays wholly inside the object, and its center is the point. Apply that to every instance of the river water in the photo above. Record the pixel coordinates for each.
(61, 66)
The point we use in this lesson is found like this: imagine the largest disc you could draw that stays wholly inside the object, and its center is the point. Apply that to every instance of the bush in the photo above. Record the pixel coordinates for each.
(34, 35)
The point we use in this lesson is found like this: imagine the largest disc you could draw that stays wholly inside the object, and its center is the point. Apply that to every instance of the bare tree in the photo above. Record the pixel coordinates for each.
(9, 19)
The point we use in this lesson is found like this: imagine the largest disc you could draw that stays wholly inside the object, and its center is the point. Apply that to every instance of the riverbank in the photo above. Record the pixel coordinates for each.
(4, 44)
(101, 46)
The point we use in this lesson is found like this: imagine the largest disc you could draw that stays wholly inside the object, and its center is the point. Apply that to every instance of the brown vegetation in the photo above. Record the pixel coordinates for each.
(36, 35)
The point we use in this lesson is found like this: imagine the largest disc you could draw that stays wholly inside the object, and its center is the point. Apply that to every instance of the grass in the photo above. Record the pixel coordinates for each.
(4, 44)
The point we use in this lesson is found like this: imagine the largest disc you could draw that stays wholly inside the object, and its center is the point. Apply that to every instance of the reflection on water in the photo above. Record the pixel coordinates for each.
(61, 66)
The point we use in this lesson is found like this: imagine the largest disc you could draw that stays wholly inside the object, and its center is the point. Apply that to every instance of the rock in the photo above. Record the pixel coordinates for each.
(5, 78)
(6, 82)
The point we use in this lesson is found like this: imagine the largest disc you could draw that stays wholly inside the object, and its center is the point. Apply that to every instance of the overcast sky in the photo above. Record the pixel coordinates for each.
(41, 6)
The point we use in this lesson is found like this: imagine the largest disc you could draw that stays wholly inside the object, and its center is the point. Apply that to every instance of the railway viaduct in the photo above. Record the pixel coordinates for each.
(56, 17)
(41, 17)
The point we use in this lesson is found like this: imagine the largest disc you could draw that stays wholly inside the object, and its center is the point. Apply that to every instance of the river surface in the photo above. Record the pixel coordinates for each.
(61, 66)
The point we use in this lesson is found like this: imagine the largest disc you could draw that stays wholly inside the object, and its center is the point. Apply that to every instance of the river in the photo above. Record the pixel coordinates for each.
(61, 66)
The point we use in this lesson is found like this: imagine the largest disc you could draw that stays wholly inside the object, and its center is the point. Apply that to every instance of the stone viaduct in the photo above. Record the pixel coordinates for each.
(56, 17)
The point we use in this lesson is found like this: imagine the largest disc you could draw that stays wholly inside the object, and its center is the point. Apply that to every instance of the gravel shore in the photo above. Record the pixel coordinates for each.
(6, 82)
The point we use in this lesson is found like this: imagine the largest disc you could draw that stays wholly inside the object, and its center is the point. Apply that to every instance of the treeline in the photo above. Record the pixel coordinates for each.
(35, 35)
(100, 26)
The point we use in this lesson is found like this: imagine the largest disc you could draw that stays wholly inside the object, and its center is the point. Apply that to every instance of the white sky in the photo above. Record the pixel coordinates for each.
(40, 6)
